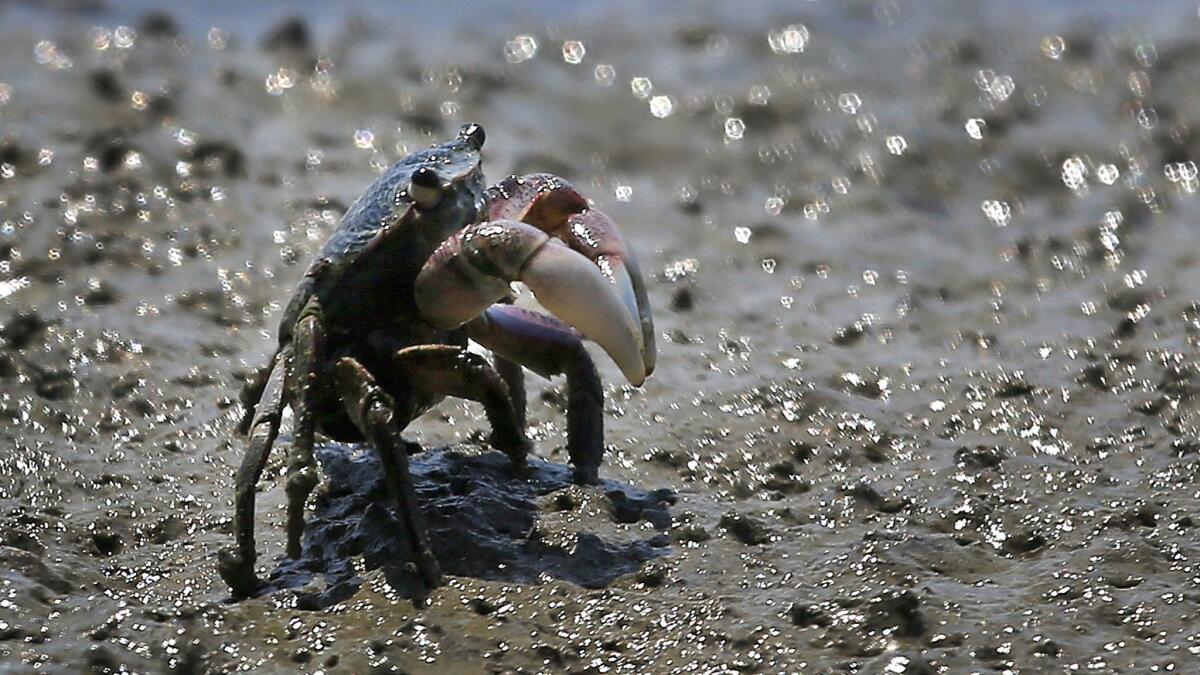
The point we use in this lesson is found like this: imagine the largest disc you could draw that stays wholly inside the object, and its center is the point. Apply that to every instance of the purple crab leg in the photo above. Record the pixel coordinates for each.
(549, 347)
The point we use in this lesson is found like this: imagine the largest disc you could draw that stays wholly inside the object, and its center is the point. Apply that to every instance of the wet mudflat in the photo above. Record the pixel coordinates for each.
(925, 275)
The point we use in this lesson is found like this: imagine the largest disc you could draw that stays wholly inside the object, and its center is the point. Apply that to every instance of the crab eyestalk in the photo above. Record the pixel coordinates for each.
(425, 188)
(473, 269)
(473, 134)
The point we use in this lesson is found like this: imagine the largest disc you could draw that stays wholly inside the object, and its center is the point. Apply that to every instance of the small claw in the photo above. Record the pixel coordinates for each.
(471, 270)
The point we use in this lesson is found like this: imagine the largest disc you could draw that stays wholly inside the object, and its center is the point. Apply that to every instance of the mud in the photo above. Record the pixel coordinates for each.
(484, 522)
(924, 275)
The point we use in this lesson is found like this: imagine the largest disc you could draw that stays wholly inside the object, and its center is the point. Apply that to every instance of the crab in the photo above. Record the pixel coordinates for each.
(376, 332)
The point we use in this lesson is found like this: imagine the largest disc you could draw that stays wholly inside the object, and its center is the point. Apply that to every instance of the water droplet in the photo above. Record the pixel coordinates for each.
(124, 37)
(1182, 173)
(280, 81)
(641, 86)
(605, 74)
(975, 127)
(661, 106)
(5, 93)
(218, 38)
(681, 268)
(735, 128)
(1139, 83)
(100, 37)
(520, 49)
(364, 139)
(997, 211)
(1146, 54)
(1053, 46)
(774, 205)
(760, 94)
(1147, 118)
(10, 286)
(48, 54)
(1001, 87)
(1074, 173)
(573, 52)
(790, 40)
(742, 234)
(896, 145)
(849, 103)
(623, 192)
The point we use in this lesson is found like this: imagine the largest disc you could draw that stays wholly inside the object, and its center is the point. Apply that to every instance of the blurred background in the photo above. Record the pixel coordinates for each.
(923, 274)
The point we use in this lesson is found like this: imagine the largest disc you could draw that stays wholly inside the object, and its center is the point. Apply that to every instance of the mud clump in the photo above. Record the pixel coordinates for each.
(746, 529)
(484, 522)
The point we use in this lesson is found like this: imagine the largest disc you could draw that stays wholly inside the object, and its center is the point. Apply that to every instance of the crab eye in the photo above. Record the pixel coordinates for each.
(425, 188)
(473, 135)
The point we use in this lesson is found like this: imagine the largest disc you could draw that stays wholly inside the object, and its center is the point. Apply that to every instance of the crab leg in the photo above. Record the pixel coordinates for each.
(371, 411)
(302, 475)
(252, 392)
(549, 347)
(554, 206)
(514, 378)
(453, 371)
(236, 565)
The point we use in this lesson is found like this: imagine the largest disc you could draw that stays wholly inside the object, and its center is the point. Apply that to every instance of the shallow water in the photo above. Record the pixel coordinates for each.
(926, 395)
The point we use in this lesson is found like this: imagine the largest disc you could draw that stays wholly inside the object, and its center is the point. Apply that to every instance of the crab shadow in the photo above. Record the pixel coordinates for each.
(484, 521)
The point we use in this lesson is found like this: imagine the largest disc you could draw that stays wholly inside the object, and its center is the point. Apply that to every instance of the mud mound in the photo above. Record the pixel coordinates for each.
(484, 520)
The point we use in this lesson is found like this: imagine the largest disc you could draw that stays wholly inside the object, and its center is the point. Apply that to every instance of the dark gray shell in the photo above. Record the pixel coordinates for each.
(386, 204)
(387, 199)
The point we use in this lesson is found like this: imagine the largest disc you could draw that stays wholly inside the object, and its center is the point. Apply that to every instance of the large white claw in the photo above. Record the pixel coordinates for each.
(597, 237)
(471, 270)
(576, 291)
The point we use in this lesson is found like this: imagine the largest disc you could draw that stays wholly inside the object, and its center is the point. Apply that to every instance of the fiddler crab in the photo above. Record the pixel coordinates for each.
(376, 332)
